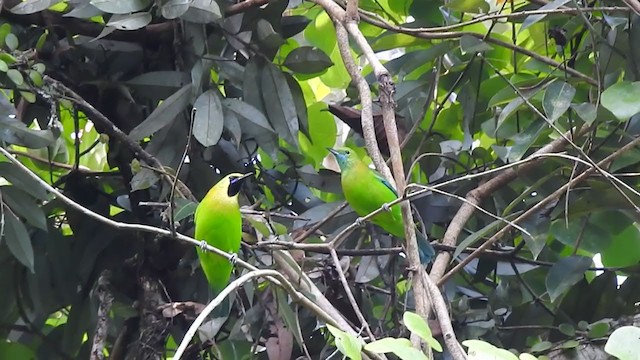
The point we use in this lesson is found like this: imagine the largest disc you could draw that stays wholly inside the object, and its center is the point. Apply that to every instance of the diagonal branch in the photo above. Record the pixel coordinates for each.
(113, 131)
(317, 303)
(510, 175)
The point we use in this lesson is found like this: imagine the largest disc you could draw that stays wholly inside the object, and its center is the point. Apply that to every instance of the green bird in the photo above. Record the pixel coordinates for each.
(366, 191)
(219, 223)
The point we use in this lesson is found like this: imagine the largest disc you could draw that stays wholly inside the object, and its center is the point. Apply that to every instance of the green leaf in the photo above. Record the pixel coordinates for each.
(3, 66)
(348, 344)
(15, 132)
(24, 205)
(288, 316)
(525, 356)
(624, 343)
(279, 104)
(557, 99)
(5, 29)
(163, 115)
(593, 238)
(541, 346)
(248, 113)
(18, 240)
(15, 350)
(565, 273)
(232, 125)
(598, 330)
(202, 12)
(523, 140)
(144, 179)
(586, 111)
(174, 8)
(267, 35)
(39, 67)
(416, 324)
(15, 76)
(253, 124)
(300, 104)
(479, 349)
(472, 45)
(32, 6)
(470, 6)
(184, 209)
(11, 41)
(399, 346)
(120, 6)
(569, 344)
(567, 329)
(532, 19)
(624, 249)
(622, 99)
(133, 21)
(515, 104)
(209, 118)
(307, 60)
(18, 178)
(35, 77)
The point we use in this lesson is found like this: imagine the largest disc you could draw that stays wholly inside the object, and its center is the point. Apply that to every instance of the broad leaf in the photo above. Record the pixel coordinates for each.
(532, 19)
(416, 324)
(348, 344)
(557, 99)
(209, 118)
(307, 60)
(130, 21)
(622, 99)
(624, 343)
(202, 12)
(565, 273)
(18, 240)
(24, 205)
(279, 104)
(163, 115)
(120, 6)
(32, 6)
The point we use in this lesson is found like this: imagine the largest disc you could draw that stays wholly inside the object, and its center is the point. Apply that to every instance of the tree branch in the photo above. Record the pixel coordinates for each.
(113, 131)
(483, 191)
(319, 305)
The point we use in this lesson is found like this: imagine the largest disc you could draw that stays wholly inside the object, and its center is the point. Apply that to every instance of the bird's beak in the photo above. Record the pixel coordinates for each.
(333, 151)
(243, 177)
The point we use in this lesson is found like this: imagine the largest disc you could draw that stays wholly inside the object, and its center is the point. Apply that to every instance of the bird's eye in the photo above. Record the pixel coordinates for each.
(347, 152)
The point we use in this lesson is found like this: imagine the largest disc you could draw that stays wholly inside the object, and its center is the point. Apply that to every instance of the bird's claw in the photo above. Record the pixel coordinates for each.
(386, 207)
(359, 222)
(203, 244)
(233, 259)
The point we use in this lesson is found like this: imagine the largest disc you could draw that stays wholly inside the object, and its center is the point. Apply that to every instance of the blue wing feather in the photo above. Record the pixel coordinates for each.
(385, 182)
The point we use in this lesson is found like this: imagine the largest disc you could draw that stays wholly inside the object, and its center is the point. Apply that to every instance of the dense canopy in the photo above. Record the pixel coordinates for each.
(508, 127)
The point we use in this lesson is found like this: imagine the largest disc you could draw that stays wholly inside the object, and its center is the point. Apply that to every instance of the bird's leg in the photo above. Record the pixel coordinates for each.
(233, 259)
(203, 245)
(360, 222)
(386, 207)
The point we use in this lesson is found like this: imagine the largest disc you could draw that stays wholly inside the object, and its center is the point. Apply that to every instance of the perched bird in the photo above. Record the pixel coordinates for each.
(353, 118)
(219, 223)
(366, 191)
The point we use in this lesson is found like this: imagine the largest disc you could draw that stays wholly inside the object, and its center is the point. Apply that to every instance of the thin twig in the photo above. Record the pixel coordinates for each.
(113, 131)
(320, 305)
(552, 197)
(347, 290)
(172, 225)
(218, 300)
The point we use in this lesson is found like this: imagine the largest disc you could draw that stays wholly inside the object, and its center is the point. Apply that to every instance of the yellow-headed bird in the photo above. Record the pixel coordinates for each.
(219, 223)
(366, 191)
